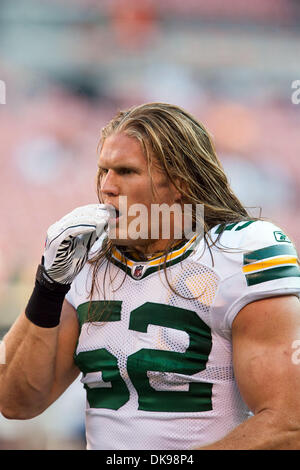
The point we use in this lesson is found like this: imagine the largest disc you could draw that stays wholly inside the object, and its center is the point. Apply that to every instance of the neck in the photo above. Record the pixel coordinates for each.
(147, 251)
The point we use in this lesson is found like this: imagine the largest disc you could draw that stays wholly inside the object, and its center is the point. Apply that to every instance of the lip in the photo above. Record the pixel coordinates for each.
(113, 211)
(114, 215)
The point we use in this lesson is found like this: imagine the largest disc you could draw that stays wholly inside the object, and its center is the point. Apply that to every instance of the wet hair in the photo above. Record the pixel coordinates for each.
(175, 140)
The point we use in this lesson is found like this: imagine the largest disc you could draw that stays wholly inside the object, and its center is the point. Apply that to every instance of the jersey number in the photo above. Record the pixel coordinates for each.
(193, 360)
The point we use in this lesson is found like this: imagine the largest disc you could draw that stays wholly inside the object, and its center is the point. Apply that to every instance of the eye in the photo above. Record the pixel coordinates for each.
(125, 171)
(102, 171)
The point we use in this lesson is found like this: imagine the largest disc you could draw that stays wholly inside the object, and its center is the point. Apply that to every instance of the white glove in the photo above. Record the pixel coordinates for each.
(69, 241)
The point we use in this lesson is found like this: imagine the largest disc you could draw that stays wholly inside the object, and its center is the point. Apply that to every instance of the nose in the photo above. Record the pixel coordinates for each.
(109, 186)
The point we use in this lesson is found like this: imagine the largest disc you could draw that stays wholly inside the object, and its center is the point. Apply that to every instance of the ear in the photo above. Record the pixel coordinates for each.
(179, 188)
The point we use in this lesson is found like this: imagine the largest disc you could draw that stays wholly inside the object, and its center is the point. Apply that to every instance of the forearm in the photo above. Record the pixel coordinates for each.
(268, 430)
(39, 347)
(27, 376)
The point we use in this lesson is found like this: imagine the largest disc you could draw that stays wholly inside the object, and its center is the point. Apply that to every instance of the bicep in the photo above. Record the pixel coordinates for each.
(263, 334)
(66, 370)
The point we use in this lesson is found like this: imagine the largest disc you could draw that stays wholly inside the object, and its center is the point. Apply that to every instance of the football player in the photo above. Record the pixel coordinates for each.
(181, 343)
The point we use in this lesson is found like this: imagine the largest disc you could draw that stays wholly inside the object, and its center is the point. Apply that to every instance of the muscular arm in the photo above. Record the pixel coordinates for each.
(39, 353)
(269, 381)
(39, 365)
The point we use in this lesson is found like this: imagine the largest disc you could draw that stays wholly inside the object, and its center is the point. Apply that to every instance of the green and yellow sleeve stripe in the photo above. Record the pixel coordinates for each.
(272, 262)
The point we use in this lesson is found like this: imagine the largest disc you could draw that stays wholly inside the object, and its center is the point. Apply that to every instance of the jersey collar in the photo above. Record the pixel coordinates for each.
(140, 269)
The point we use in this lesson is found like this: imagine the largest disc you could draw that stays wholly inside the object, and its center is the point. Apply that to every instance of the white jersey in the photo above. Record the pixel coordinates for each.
(158, 368)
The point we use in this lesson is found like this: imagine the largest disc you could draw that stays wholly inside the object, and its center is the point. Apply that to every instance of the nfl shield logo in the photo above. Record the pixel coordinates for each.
(137, 271)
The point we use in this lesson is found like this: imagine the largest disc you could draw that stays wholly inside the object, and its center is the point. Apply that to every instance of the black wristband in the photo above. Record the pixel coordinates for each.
(45, 304)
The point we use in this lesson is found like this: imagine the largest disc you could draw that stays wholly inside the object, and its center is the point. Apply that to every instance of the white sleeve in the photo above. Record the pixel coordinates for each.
(265, 266)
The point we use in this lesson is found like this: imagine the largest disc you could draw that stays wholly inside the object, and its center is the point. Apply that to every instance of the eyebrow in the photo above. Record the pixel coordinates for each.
(119, 167)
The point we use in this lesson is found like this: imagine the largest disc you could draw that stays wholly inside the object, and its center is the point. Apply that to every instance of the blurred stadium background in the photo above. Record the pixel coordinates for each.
(68, 66)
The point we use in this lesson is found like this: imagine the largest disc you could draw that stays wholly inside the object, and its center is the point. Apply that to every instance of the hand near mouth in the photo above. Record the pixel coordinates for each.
(114, 213)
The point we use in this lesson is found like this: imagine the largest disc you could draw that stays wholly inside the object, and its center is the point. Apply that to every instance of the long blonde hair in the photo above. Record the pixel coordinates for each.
(185, 151)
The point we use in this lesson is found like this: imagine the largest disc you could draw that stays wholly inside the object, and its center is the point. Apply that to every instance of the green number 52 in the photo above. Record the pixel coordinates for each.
(198, 397)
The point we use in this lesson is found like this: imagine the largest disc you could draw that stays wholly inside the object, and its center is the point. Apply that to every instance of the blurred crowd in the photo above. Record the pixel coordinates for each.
(70, 66)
